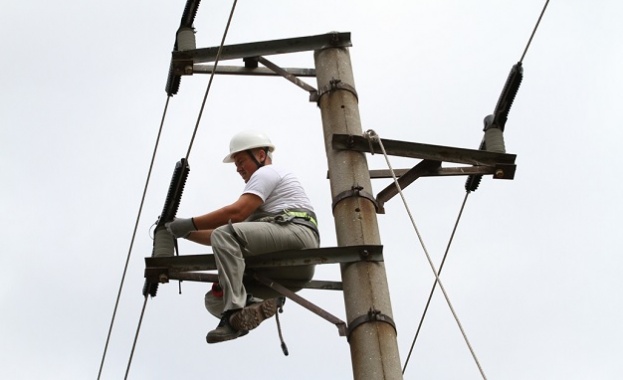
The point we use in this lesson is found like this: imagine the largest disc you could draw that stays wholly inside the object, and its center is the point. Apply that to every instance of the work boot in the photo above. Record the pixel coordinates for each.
(251, 316)
(224, 331)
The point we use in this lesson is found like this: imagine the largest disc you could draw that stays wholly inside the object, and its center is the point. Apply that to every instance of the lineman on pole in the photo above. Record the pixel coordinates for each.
(272, 214)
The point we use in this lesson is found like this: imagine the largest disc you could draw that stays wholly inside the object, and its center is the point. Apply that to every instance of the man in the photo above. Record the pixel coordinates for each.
(272, 214)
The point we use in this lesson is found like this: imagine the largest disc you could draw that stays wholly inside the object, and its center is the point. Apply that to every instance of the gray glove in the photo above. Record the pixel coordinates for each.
(181, 228)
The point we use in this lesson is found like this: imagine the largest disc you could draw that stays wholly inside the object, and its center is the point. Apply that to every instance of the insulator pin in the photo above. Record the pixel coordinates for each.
(186, 39)
(494, 140)
(164, 243)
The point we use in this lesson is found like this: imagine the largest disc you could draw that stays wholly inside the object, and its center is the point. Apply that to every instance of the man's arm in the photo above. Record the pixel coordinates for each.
(201, 237)
(236, 212)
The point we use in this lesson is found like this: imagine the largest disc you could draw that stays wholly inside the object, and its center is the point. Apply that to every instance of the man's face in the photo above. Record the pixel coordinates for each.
(245, 166)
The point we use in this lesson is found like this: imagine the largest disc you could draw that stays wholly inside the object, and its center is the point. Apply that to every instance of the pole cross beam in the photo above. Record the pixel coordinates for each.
(500, 165)
(189, 267)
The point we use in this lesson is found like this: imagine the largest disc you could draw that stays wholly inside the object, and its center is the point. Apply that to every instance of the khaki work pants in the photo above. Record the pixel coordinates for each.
(232, 243)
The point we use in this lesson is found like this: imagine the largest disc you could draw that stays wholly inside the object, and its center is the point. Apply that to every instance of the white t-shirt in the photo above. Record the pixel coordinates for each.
(278, 188)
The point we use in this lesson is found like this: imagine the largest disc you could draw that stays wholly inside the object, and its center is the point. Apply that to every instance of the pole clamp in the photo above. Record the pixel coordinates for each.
(355, 191)
(372, 315)
(334, 84)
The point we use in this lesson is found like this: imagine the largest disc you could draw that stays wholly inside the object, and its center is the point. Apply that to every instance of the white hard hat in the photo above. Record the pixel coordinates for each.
(248, 140)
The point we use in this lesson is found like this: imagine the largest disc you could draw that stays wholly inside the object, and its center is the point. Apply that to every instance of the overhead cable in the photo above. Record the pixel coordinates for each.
(189, 13)
(136, 223)
(432, 291)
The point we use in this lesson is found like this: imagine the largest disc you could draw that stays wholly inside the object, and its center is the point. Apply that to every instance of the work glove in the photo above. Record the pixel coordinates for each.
(181, 228)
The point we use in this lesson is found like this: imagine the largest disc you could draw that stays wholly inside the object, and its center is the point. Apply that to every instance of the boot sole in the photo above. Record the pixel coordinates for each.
(212, 338)
(251, 316)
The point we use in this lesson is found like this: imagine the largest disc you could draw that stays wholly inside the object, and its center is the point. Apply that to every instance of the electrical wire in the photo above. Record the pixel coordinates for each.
(138, 329)
(218, 54)
(461, 212)
(216, 61)
(432, 291)
(534, 31)
(370, 134)
(151, 165)
(136, 223)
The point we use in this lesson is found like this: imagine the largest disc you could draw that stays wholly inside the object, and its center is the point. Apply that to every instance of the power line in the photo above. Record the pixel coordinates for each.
(432, 291)
(216, 61)
(136, 223)
(143, 201)
(534, 31)
(140, 322)
(460, 213)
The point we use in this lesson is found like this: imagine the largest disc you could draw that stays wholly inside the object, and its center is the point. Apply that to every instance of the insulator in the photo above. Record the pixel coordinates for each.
(494, 140)
(186, 39)
(164, 244)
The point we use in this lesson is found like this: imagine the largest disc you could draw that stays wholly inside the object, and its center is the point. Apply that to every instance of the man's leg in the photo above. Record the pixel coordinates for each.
(259, 238)
(231, 243)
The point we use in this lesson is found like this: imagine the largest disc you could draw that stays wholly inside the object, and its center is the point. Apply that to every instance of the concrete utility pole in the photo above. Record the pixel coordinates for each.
(373, 346)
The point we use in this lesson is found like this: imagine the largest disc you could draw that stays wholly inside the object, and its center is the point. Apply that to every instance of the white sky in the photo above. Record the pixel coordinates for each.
(534, 270)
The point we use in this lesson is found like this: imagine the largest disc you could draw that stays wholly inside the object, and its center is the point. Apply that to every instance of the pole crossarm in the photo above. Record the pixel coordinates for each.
(182, 60)
(213, 277)
(500, 165)
(160, 269)
(423, 151)
(256, 71)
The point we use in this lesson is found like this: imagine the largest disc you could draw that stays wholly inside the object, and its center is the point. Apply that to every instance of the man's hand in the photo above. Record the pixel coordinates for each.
(181, 228)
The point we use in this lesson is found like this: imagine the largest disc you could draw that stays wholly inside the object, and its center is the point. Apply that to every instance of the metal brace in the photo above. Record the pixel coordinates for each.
(373, 315)
(341, 325)
(335, 84)
(252, 62)
(355, 191)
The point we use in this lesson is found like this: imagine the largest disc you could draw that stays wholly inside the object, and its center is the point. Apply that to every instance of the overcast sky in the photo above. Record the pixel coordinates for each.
(534, 271)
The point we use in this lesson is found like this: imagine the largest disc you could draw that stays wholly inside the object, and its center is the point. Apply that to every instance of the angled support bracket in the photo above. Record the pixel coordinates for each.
(313, 93)
(405, 180)
(340, 324)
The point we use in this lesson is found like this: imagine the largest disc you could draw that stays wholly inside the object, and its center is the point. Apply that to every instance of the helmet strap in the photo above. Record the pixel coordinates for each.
(259, 164)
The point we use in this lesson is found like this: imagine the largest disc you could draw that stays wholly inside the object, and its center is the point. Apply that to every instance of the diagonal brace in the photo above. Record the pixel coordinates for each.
(313, 93)
(340, 324)
(405, 180)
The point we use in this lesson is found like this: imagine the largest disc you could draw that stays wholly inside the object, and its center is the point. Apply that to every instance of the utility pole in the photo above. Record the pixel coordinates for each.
(372, 334)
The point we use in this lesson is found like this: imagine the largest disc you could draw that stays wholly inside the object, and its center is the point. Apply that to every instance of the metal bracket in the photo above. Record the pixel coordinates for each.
(313, 93)
(355, 191)
(340, 324)
(405, 180)
(373, 315)
(334, 85)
